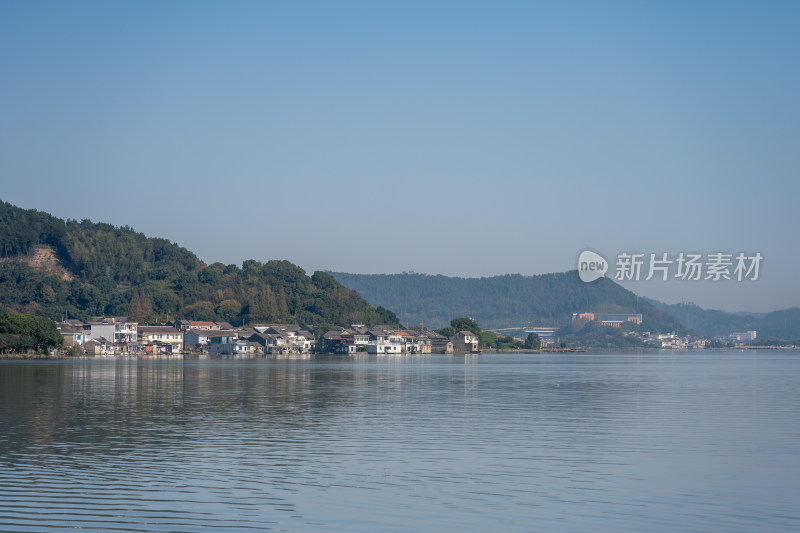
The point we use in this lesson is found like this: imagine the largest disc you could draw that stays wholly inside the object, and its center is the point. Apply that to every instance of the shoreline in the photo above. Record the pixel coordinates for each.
(189, 355)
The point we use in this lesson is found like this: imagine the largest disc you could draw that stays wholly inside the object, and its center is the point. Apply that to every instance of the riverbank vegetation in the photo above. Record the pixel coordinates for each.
(21, 333)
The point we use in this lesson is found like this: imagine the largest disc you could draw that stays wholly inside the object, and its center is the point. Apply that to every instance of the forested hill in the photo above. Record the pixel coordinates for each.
(778, 325)
(54, 268)
(501, 301)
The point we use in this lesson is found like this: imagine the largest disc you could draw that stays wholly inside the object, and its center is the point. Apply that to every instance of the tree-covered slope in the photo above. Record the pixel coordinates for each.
(778, 325)
(107, 270)
(501, 301)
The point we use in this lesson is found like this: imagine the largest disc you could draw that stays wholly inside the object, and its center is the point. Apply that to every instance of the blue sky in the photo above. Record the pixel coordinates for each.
(461, 138)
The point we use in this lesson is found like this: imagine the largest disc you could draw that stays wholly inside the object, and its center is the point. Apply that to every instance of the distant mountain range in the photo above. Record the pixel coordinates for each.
(502, 301)
(548, 300)
(778, 325)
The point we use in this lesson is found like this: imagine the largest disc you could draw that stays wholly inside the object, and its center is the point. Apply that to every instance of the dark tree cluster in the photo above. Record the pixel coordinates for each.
(22, 333)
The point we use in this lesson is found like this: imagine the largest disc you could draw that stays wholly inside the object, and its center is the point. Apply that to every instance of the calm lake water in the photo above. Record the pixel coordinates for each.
(688, 441)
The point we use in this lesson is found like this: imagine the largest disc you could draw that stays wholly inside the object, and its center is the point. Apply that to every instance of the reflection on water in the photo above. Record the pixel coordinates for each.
(704, 441)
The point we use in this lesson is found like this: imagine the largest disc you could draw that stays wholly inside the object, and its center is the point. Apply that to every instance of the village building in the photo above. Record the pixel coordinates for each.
(614, 320)
(385, 348)
(419, 344)
(114, 330)
(199, 339)
(340, 342)
(465, 342)
(232, 345)
(378, 340)
(360, 334)
(164, 339)
(380, 334)
(441, 344)
(359, 329)
(98, 348)
(290, 338)
(271, 343)
(222, 344)
(185, 325)
(73, 336)
(253, 348)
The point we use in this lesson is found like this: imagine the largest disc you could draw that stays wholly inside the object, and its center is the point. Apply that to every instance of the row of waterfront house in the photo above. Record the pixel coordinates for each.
(119, 336)
(385, 340)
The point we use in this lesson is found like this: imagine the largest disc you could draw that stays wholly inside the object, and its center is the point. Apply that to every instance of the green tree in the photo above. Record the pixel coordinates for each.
(27, 332)
(229, 310)
(75, 351)
(47, 294)
(263, 307)
(211, 274)
(140, 307)
(465, 324)
(199, 311)
(533, 342)
(506, 342)
(447, 332)
(283, 306)
(386, 316)
(488, 338)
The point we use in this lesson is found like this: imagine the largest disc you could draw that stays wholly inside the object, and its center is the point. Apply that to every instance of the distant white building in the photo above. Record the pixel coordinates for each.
(115, 330)
(386, 348)
(743, 336)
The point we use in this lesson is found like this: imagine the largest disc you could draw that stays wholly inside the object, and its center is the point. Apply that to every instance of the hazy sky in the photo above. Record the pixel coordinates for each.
(461, 138)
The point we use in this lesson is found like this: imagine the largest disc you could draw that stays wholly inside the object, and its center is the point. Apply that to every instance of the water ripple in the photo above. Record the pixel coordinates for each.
(705, 442)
